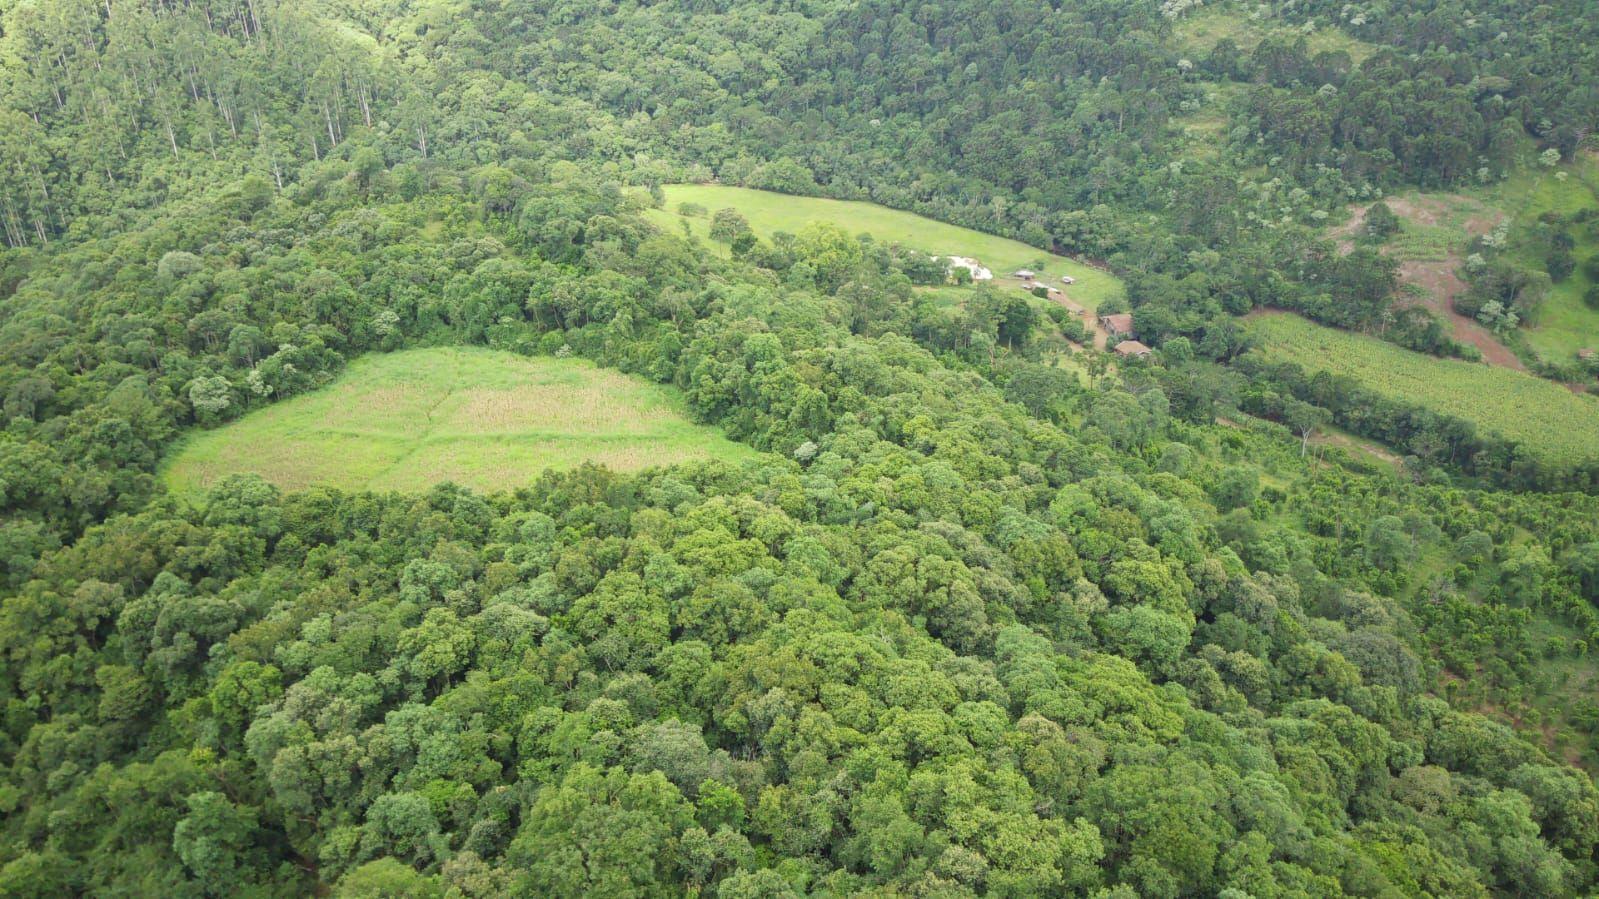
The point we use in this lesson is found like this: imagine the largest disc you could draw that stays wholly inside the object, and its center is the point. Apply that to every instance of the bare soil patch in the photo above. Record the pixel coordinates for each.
(1344, 235)
(1440, 285)
(1438, 280)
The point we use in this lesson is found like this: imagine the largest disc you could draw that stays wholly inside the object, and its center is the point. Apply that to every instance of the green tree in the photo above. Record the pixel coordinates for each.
(728, 225)
(1381, 222)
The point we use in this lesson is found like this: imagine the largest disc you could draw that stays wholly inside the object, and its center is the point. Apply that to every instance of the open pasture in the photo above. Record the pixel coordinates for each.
(481, 418)
(770, 212)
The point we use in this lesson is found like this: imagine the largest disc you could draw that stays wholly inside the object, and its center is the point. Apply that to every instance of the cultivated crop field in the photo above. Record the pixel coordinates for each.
(769, 212)
(481, 418)
(1541, 414)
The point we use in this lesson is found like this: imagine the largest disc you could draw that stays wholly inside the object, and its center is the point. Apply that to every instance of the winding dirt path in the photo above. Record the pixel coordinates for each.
(1438, 280)
(1441, 285)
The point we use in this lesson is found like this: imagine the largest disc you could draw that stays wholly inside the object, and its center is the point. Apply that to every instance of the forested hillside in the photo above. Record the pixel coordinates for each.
(976, 610)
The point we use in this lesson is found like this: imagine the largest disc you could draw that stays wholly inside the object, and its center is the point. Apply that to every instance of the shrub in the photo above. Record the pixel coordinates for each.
(728, 225)
(1381, 223)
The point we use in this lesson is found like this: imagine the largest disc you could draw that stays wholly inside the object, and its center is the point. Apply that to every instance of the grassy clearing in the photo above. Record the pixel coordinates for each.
(1200, 30)
(1206, 127)
(1547, 418)
(1422, 243)
(1565, 324)
(945, 297)
(481, 418)
(770, 212)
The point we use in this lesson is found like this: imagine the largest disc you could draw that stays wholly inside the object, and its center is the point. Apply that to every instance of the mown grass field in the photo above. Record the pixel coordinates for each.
(770, 212)
(481, 418)
(1544, 416)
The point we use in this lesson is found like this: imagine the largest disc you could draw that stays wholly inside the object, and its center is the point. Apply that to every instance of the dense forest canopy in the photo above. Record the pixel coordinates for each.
(985, 616)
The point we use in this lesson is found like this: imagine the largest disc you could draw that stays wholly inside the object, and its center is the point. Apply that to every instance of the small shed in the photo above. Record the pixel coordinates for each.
(1118, 325)
(1132, 349)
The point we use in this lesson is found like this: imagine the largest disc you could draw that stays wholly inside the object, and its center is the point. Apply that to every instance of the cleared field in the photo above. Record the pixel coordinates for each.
(1201, 30)
(1434, 229)
(770, 212)
(1565, 324)
(1542, 415)
(1206, 127)
(481, 418)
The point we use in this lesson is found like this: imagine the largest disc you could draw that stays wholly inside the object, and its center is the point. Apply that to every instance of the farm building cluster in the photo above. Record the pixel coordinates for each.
(1117, 328)
(1121, 337)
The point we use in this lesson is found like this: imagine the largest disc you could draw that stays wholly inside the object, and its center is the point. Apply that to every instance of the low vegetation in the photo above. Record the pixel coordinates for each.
(769, 213)
(1555, 214)
(1246, 26)
(982, 618)
(480, 418)
(1541, 415)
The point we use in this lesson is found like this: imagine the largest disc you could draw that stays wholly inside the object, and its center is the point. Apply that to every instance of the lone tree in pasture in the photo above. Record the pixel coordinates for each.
(728, 225)
(1381, 223)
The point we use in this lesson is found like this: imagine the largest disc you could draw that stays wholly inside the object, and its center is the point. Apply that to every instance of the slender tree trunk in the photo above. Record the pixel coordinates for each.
(13, 239)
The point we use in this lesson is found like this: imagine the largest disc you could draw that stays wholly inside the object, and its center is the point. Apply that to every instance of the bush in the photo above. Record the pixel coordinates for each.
(1560, 264)
(1381, 223)
(1236, 489)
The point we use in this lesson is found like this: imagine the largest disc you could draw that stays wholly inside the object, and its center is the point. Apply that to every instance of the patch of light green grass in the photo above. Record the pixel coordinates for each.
(1564, 324)
(1200, 30)
(1547, 418)
(1422, 243)
(1205, 127)
(481, 418)
(770, 212)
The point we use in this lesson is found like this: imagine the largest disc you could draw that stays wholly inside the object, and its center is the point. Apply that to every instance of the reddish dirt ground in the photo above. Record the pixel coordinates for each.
(1441, 285)
(1438, 280)
(1344, 235)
